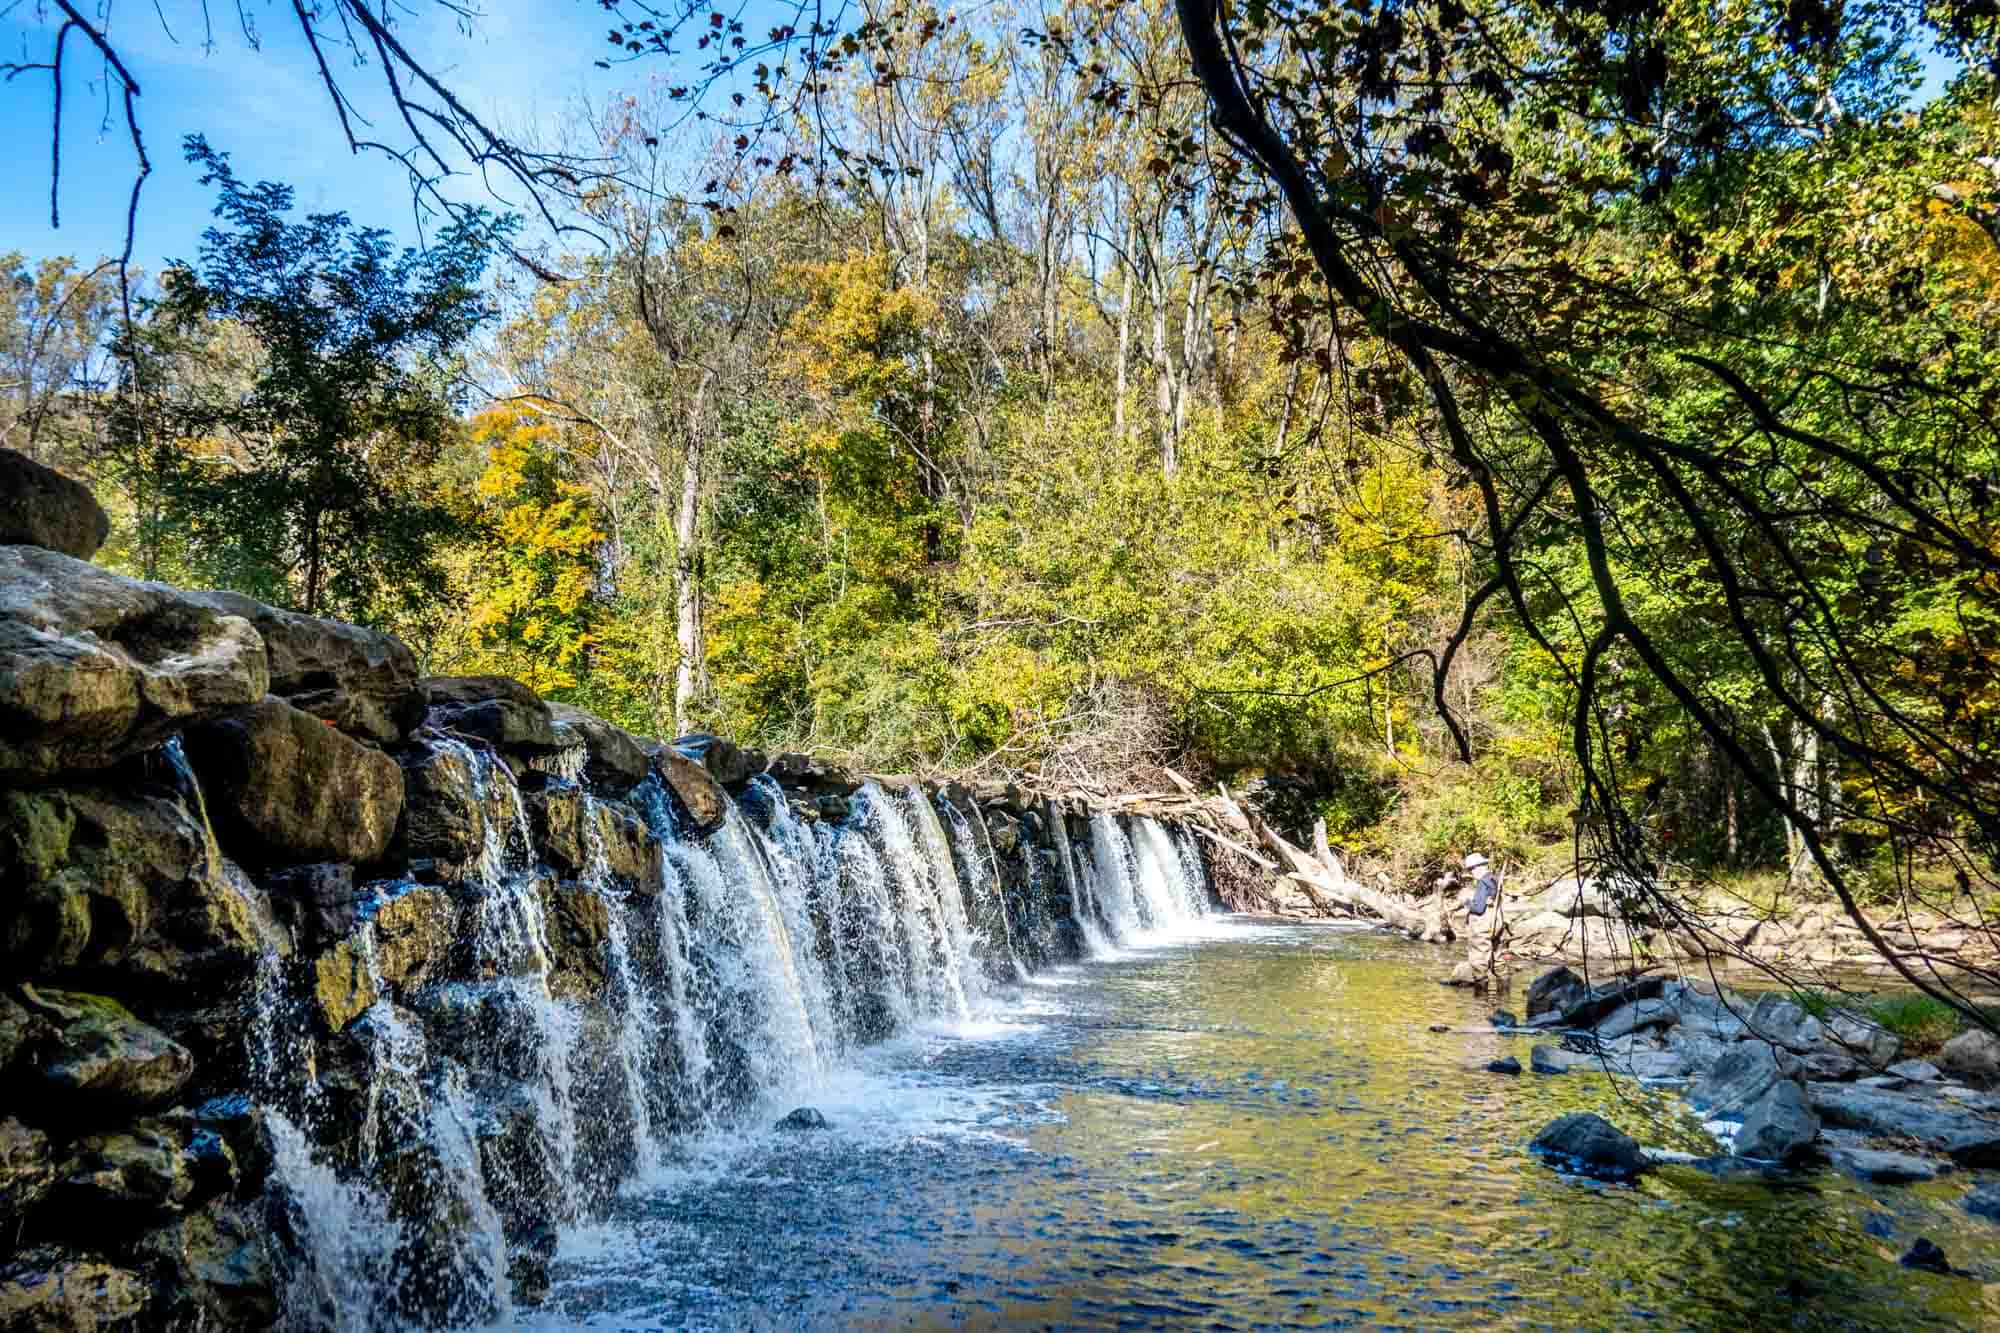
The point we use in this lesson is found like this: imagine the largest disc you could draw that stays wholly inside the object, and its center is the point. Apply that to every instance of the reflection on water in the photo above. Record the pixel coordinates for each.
(1255, 1128)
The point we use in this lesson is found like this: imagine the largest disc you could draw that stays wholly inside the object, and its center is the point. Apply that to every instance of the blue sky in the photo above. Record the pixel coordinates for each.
(524, 63)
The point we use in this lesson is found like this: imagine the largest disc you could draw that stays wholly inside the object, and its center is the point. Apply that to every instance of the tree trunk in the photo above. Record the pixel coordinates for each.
(1124, 339)
(687, 568)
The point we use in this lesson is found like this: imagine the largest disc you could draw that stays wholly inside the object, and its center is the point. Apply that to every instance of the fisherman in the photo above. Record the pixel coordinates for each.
(1482, 919)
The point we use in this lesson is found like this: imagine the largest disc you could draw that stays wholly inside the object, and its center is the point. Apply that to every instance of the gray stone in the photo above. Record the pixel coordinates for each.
(1974, 1053)
(41, 507)
(286, 788)
(1660, 1065)
(1555, 1060)
(1885, 1167)
(1638, 1015)
(1984, 1202)
(1505, 1065)
(1915, 1071)
(613, 759)
(1779, 1126)
(1865, 1038)
(497, 709)
(726, 762)
(1968, 1139)
(1739, 1078)
(1828, 1064)
(361, 680)
(1778, 1019)
(95, 667)
(1590, 1144)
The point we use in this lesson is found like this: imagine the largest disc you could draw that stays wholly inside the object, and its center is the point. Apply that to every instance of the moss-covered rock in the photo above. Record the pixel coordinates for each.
(104, 1060)
(26, 1168)
(46, 1290)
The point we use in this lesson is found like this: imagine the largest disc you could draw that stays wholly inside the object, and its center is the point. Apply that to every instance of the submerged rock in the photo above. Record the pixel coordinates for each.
(805, 1117)
(1591, 1145)
(39, 506)
(1984, 1202)
(95, 667)
(1927, 1255)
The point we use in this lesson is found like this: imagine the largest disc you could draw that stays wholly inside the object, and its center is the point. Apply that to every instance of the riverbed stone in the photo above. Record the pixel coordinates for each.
(48, 1290)
(1868, 1040)
(39, 506)
(1984, 1201)
(1972, 1054)
(1913, 1071)
(1739, 1078)
(613, 759)
(1881, 1166)
(1927, 1255)
(363, 681)
(1967, 1138)
(1778, 1019)
(95, 667)
(1505, 1065)
(1778, 1126)
(107, 1060)
(285, 787)
(1555, 991)
(1637, 1016)
(496, 709)
(1591, 1145)
(804, 1117)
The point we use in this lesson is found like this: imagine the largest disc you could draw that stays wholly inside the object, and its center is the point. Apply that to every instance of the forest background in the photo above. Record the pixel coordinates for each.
(1020, 443)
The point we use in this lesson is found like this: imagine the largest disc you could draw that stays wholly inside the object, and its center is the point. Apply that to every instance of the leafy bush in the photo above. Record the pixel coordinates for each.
(1923, 1023)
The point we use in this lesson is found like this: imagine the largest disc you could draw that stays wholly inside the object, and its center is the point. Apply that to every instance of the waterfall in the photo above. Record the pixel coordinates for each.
(497, 1091)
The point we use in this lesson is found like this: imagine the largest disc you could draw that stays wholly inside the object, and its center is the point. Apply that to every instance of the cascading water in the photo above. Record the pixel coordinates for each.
(424, 1188)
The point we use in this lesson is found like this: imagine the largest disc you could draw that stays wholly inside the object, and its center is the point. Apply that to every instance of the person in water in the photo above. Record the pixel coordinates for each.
(1482, 918)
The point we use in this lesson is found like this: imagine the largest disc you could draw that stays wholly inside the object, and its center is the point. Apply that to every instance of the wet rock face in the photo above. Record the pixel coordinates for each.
(496, 709)
(46, 1290)
(361, 680)
(284, 787)
(105, 1060)
(41, 507)
(26, 1171)
(444, 814)
(727, 762)
(700, 795)
(95, 668)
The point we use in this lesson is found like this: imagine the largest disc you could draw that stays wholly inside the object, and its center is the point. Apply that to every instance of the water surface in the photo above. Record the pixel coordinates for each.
(1246, 1126)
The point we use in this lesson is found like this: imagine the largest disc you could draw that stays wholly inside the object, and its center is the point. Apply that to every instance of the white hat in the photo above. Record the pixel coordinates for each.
(1474, 861)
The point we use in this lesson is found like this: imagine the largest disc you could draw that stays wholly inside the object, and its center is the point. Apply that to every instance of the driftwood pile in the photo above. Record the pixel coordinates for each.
(1320, 873)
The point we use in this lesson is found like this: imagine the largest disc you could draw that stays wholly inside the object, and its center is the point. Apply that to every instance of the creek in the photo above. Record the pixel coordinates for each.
(1235, 1123)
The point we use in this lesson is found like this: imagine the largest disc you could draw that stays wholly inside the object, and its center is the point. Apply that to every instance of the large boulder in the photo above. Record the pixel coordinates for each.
(220, 1267)
(1637, 1017)
(361, 680)
(1967, 1138)
(285, 788)
(701, 796)
(497, 709)
(1779, 1126)
(407, 934)
(1866, 1039)
(95, 667)
(119, 880)
(613, 760)
(593, 840)
(1740, 1078)
(104, 1059)
(1591, 1145)
(1783, 1021)
(444, 809)
(46, 1290)
(41, 507)
(1973, 1054)
(146, 1171)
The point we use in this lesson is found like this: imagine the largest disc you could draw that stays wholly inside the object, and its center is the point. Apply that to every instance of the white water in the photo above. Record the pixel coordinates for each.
(775, 953)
